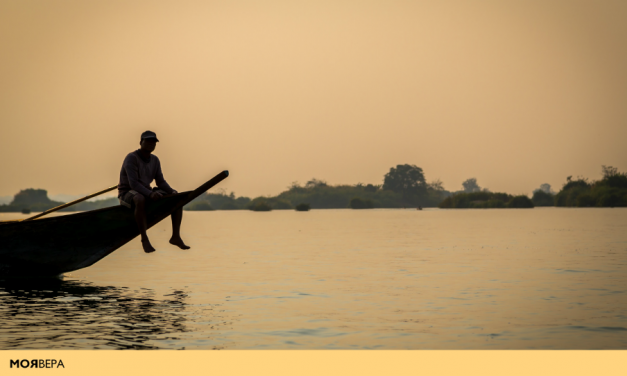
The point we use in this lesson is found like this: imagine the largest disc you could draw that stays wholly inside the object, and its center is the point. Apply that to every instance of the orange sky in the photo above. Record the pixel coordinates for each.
(514, 93)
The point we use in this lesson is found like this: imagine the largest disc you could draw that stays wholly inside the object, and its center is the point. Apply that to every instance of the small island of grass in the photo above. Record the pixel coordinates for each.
(302, 207)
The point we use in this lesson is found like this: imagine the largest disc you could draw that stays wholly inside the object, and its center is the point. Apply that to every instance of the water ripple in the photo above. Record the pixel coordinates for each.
(57, 314)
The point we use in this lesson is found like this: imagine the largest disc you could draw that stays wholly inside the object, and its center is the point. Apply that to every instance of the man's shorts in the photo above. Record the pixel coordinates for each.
(128, 201)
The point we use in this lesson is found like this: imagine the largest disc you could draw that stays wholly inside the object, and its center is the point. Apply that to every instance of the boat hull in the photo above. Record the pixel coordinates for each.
(52, 246)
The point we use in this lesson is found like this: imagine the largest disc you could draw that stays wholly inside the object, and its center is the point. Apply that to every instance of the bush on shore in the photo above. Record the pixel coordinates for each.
(485, 200)
(272, 202)
(303, 207)
(520, 202)
(260, 206)
(358, 203)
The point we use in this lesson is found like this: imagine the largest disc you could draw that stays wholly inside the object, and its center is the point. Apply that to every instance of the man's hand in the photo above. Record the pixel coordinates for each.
(155, 196)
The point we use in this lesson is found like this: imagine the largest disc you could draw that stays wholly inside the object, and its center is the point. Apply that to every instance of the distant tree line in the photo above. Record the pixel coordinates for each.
(610, 191)
(403, 186)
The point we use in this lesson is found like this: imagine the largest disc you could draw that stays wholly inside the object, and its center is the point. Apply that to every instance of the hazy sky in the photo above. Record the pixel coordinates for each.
(514, 93)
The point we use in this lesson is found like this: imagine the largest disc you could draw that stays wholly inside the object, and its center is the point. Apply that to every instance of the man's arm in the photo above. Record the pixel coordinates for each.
(161, 183)
(132, 173)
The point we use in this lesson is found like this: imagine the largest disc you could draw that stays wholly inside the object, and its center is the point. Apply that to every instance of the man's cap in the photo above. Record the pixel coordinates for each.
(149, 135)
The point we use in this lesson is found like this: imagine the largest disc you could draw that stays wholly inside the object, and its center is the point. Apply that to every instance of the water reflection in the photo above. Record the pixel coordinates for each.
(58, 314)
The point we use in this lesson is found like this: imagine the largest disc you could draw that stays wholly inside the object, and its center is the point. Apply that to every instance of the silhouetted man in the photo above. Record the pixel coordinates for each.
(139, 169)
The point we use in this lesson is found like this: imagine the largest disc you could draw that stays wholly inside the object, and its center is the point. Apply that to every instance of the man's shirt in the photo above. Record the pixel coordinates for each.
(138, 173)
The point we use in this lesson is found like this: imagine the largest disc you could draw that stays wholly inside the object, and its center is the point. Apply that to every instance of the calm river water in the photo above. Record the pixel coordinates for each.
(545, 278)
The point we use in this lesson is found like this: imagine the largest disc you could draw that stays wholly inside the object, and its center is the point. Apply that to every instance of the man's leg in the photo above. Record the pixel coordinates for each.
(140, 218)
(177, 218)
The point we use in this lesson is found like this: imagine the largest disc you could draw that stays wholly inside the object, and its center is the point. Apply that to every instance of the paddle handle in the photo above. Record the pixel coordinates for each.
(70, 203)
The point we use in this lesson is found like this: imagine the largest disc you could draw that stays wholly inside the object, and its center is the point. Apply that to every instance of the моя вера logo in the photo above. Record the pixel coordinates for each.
(37, 363)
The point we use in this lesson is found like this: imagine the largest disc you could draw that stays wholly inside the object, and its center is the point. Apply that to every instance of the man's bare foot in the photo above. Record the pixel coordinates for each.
(179, 243)
(148, 248)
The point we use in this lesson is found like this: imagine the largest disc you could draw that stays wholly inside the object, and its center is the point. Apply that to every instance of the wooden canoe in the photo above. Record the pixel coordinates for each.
(56, 245)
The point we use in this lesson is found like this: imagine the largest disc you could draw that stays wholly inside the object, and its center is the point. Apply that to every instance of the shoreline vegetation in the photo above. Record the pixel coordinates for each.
(610, 191)
(36, 200)
(404, 186)
(486, 200)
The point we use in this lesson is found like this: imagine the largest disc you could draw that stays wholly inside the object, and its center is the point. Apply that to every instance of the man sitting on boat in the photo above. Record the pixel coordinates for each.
(139, 169)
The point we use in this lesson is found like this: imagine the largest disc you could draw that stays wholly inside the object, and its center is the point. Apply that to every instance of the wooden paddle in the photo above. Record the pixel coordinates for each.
(70, 203)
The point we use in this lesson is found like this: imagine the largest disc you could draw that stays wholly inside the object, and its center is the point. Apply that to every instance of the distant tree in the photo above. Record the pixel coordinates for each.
(31, 196)
(613, 178)
(546, 188)
(609, 171)
(436, 185)
(580, 182)
(470, 185)
(570, 192)
(371, 188)
(543, 198)
(313, 183)
(408, 180)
